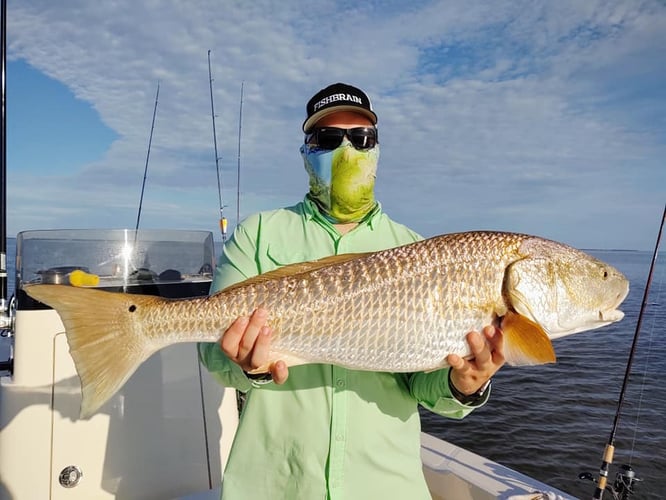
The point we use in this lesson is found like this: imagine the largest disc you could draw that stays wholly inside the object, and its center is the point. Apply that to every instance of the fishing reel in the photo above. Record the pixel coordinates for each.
(623, 486)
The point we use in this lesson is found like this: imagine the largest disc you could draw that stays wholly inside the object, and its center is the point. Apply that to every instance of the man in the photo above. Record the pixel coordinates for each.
(320, 431)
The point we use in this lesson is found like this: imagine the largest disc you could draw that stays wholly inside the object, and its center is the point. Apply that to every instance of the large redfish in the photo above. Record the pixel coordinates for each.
(398, 310)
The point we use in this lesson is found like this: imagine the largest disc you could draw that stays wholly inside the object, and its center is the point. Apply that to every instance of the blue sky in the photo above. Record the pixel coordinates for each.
(530, 116)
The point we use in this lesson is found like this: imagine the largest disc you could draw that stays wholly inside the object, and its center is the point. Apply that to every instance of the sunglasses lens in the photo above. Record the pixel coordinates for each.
(363, 137)
(331, 137)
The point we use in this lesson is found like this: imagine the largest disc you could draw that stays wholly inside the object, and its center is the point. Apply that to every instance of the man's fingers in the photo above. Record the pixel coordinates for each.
(491, 331)
(456, 362)
(279, 372)
(495, 343)
(486, 358)
(232, 336)
(238, 341)
(257, 321)
(479, 348)
(261, 349)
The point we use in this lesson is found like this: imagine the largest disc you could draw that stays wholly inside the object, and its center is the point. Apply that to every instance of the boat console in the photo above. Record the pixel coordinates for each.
(166, 433)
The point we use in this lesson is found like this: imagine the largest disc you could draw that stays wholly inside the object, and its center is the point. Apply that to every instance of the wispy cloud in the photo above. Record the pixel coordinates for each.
(544, 117)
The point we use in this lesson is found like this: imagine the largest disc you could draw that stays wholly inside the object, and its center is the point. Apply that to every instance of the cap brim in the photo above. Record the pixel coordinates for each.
(310, 122)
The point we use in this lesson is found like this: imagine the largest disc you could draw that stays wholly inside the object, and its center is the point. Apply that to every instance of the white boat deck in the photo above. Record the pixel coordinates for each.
(454, 473)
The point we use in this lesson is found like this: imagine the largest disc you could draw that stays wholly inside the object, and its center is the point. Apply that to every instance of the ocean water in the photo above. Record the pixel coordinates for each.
(552, 422)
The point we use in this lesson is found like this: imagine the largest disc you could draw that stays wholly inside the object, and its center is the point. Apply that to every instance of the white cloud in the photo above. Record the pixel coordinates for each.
(545, 117)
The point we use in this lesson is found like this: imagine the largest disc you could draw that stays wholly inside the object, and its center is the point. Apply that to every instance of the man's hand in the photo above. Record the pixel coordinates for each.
(247, 343)
(488, 356)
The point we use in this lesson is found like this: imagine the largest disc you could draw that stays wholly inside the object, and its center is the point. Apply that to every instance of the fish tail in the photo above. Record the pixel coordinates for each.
(101, 337)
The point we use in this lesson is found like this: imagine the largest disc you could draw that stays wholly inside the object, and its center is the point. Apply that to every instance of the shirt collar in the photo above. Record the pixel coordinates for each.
(311, 211)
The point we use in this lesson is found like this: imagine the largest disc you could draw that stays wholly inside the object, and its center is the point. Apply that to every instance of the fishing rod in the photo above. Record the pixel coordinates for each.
(240, 121)
(223, 219)
(4, 303)
(6, 306)
(145, 170)
(626, 477)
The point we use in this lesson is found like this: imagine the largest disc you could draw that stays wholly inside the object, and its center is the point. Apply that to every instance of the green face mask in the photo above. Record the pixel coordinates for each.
(342, 180)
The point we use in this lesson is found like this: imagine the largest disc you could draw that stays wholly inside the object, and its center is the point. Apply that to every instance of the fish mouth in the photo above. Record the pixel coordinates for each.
(611, 315)
(603, 318)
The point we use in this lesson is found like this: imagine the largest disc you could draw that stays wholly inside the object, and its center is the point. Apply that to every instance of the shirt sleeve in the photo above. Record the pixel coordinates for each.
(237, 263)
(432, 391)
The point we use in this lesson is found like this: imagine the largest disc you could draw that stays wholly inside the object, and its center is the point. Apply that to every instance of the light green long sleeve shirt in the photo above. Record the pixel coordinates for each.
(328, 432)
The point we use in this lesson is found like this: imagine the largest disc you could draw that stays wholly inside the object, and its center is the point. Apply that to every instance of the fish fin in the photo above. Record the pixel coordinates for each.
(525, 342)
(289, 359)
(298, 268)
(102, 339)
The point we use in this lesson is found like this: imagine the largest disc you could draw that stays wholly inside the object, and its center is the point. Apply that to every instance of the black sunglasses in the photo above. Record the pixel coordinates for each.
(331, 137)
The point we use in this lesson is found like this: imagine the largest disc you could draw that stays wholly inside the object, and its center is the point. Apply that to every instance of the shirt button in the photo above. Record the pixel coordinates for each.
(340, 383)
(339, 437)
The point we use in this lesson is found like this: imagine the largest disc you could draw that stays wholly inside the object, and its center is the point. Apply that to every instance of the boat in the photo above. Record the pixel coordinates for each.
(161, 437)
(167, 433)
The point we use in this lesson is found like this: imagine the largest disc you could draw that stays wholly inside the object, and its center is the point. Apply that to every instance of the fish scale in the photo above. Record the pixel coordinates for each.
(358, 340)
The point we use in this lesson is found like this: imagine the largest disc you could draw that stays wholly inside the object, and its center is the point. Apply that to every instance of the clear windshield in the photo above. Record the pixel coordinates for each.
(119, 257)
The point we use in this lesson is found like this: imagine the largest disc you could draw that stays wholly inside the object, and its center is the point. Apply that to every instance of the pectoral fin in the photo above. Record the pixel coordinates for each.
(525, 342)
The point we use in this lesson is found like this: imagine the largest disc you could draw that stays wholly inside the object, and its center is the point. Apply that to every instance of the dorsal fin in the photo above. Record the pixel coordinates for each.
(298, 268)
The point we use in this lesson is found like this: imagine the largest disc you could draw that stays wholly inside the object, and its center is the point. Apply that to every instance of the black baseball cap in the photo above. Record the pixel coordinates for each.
(337, 97)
